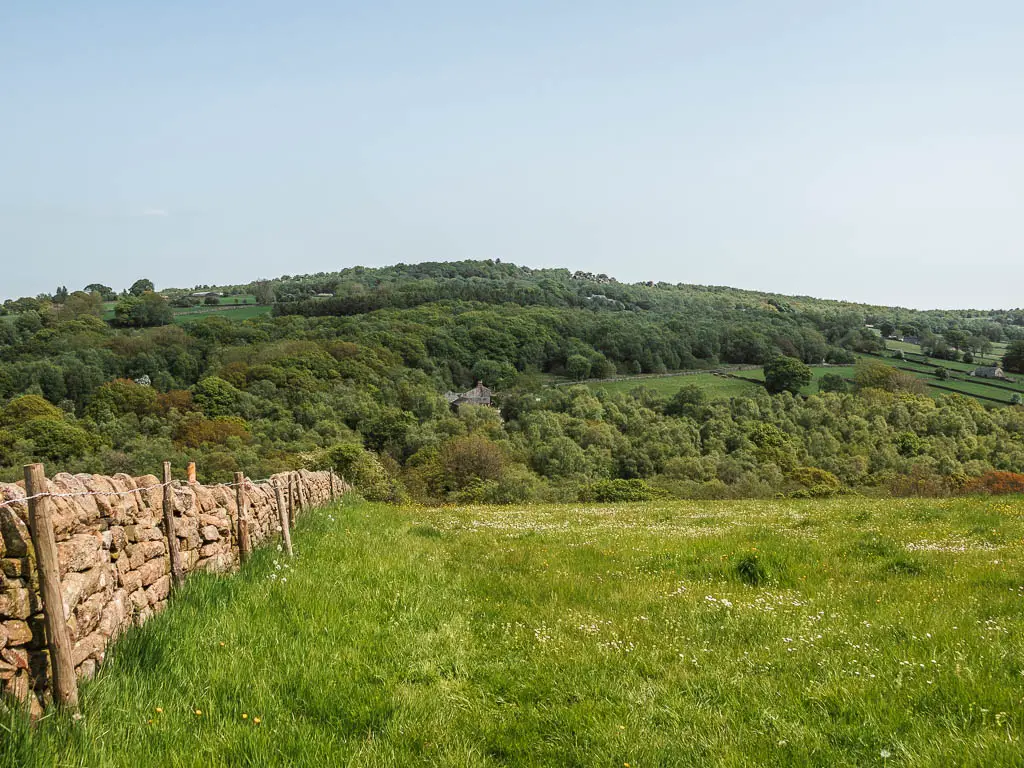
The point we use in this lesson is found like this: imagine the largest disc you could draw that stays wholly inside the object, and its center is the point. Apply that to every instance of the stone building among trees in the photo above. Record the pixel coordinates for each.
(478, 395)
(989, 372)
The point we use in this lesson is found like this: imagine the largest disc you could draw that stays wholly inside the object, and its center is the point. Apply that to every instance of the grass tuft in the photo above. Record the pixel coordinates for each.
(750, 570)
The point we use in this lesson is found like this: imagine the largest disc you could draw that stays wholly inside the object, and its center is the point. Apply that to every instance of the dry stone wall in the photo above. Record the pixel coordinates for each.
(114, 560)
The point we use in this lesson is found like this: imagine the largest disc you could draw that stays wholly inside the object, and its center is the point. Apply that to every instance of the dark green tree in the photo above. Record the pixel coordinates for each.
(1013, 358)
(264, 292)
(577, 367)
(142, 286)
(786, 374)
(833, 382)
(105, 291)
(146, 311)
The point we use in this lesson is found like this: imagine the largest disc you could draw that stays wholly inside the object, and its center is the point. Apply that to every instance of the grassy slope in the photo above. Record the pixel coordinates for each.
(721, 387)
(846, 371)
(583, 636)
(244, 312)
(715, 386)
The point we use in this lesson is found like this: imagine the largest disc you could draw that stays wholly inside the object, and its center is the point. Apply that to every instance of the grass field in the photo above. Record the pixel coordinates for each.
(844, 632)
(959, 380)
(748, 380)
(846, 371)
(243, 307)
(243, 312)
(715, 386)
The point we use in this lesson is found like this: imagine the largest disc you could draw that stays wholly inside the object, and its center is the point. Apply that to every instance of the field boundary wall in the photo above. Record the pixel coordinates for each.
(114, 559)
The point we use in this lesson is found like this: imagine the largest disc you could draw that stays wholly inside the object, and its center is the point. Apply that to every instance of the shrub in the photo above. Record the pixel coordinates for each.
(577, 367)
(27, 407)
(833, 382)
(217, 397)
(872, 374)
(467, 460)
(908, 443)
(687, 401)
(620, 490)
(996, 483)
(815, 482)
(786, 374)
(365, 471)
(196, 430)
(175, 399)
(122, 396)
(145, 311)
(750, 570)
(56, 440)
(516, 485)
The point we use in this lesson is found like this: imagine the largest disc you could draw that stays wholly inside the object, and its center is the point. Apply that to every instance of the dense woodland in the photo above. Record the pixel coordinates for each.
(355, 380)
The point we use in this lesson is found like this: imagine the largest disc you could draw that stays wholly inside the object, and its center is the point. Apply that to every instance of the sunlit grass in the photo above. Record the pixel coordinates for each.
(840, 632)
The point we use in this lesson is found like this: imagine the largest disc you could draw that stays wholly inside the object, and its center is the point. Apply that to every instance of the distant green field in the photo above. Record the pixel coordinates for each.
(914, 350)
(247, 308)
(243, 312)
(746, 381)
(902, 346)
(959, 380)
(715, 386)
(245, 298)
(972, 388)
(952, 365)
(846, 371)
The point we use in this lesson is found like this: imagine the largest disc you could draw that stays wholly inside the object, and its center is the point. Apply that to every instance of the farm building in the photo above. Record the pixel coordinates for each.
(205, 294)
(478, 395)
(989, 372)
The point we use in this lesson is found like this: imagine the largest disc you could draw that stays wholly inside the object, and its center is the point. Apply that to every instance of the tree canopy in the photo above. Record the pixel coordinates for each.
(355, 380)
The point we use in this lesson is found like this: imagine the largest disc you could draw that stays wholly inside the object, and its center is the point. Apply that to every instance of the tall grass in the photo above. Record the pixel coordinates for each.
(839, 632)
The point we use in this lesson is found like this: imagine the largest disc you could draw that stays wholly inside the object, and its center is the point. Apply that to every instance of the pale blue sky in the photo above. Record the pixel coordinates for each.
(864, 150)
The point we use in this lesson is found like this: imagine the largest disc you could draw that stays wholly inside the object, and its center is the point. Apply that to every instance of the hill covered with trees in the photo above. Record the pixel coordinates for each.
(351, 368)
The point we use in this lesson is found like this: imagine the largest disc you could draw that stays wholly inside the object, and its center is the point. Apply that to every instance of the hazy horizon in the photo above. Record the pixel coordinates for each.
(869, 154)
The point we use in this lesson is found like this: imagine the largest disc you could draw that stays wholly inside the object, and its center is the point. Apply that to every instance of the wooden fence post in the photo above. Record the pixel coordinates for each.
(330, 474)
(301, 485)
(282, 514)
(169, 532)
(242, 503)
(65, 684)
(191, 472)
(292, 502)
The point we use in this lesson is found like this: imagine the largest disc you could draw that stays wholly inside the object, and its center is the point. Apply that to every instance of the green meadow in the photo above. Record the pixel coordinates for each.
(714, 385)
(842, 632)
(227, 311)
